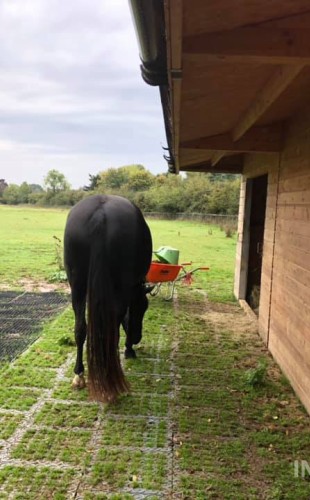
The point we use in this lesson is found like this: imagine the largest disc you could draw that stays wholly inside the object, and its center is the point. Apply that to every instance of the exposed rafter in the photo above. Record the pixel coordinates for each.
(266, 45)
(266, 139)
(216, 157)
(207, 168)
(281, 79)
(176, 8)
(228, 165)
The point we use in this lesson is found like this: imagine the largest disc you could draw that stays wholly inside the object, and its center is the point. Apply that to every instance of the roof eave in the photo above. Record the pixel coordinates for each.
(149, 22)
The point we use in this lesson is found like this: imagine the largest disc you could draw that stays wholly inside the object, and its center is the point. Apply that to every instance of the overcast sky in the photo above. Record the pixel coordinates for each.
(71, 94)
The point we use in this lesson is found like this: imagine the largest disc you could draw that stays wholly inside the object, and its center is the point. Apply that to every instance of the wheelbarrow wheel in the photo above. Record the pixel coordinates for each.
(155, 290)
(170, 290)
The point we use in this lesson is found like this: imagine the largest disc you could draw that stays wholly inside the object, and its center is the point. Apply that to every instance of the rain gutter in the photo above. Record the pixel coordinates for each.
(149, 21)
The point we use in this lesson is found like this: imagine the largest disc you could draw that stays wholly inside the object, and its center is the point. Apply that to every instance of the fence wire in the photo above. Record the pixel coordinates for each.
(218, 219)
(21, 319)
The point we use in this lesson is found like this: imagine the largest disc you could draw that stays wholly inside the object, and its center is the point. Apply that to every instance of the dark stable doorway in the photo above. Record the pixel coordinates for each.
(257, 225)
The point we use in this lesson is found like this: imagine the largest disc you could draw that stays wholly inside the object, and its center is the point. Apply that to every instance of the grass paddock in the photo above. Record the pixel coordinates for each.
(29, 255)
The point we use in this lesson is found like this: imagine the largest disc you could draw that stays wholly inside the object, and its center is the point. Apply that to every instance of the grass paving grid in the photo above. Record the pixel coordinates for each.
(22, 315)
(48, 421)
(191, 428)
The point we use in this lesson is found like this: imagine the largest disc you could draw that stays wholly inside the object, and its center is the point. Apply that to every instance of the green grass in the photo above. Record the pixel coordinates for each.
(136, 469)
(59, 415)
(28, 250)
(64, 390)
(27, 246)
(19, 398)
(236, 440)
(37, 377)
(8, 424)
(51, 445)
(194, 403)
(30, 483)
(146, 432)
(140, 404)
(228, 438)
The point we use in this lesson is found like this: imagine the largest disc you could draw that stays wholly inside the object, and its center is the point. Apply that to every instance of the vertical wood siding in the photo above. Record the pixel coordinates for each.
(289, 335)
(284, 313)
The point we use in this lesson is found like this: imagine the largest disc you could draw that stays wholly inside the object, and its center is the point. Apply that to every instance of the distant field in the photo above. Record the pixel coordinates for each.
(27, 248)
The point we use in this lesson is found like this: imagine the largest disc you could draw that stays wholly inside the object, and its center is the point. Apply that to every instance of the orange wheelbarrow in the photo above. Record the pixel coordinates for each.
(170, 274)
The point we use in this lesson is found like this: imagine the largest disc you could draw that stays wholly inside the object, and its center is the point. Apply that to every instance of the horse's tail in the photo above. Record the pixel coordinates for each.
(105, 374)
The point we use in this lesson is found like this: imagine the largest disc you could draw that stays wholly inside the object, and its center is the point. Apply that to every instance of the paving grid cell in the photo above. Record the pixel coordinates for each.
(21, 317)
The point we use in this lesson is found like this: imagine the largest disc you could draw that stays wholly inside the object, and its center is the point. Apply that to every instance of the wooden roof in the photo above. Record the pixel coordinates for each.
(237, 71)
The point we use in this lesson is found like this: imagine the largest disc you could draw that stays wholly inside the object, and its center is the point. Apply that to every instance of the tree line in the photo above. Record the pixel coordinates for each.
(163, 193)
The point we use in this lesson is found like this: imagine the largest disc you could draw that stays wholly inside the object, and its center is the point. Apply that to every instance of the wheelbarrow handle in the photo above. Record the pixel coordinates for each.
(186, 264)
(192, 271)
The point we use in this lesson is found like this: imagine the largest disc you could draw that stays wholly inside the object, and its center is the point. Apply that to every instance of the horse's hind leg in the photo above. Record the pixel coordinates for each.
(78, 289)
(132, 321)
(129, 351)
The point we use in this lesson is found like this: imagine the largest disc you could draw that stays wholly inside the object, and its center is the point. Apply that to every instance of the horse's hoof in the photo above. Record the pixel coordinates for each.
(130, 354)
(78, 382)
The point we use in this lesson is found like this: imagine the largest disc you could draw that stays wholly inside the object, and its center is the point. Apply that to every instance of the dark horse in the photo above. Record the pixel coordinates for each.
(107, 250)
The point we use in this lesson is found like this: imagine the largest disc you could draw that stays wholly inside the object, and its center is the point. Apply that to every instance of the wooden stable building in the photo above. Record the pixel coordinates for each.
(234, 80)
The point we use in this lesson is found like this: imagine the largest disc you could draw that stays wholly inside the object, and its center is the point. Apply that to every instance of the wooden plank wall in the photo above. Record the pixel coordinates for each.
(284, 314)
(289, 335)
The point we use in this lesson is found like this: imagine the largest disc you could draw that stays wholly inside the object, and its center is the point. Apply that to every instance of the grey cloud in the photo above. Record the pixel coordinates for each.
(70, 83)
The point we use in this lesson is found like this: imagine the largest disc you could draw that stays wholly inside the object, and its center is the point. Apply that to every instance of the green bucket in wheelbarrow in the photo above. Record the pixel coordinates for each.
(168, 255)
